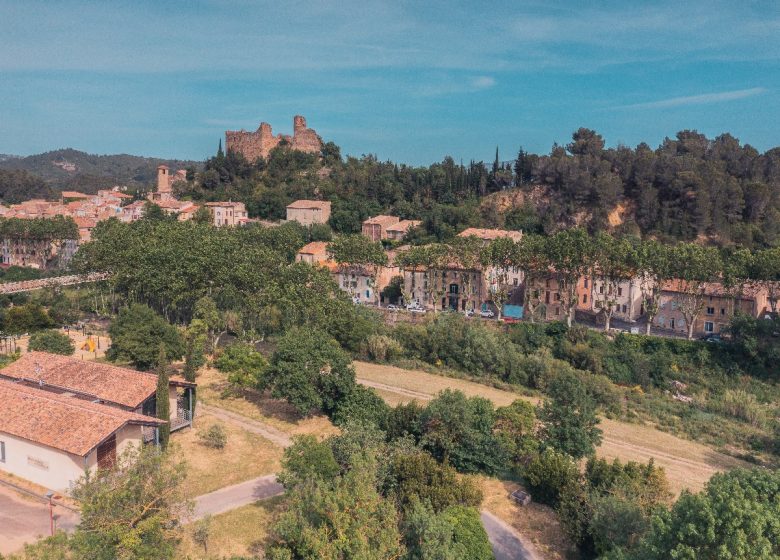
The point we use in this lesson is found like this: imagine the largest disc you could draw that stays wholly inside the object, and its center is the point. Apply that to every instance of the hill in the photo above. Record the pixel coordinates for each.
(68, 169)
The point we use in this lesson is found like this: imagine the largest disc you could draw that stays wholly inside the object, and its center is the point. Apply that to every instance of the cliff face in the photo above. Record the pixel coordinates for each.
(253, 145)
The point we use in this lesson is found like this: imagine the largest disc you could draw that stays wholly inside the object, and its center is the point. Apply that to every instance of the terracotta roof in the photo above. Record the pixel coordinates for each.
(404, 225)
(226, 204)
(314, 248)
(83, 222)
(66, 423)
(309, 204)
(716, 289)
(123, 386)
(74, 194)
(382, 220)
(490, 234)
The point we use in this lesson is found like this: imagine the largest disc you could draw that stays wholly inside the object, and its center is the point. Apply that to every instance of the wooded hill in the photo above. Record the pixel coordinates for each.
(68, 169)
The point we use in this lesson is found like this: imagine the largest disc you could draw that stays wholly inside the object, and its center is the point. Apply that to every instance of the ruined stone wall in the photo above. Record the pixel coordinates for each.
(253, 145)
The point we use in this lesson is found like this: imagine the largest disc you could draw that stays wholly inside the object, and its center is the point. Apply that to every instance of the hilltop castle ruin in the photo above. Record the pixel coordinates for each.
(253, 145)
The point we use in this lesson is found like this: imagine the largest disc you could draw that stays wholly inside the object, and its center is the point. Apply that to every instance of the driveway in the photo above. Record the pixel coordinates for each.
(24, 520)
(506, 542)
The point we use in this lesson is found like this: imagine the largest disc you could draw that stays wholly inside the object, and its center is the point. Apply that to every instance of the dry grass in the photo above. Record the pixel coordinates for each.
(241, 532)
(245, 456)
(536, 522)
(78, 341)
(688, 464)
(213, 390)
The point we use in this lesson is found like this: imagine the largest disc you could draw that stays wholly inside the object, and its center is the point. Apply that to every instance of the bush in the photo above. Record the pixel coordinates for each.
(382, 348)
(468, 531)
(243, 364)
(362, 404)
(51, 341)
(548, 474)
(742, 405)
(215, 437)
(136, 335)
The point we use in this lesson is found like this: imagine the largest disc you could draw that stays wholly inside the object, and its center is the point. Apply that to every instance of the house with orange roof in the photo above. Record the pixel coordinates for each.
(398, 230)
(312, 253)
(376, 228)
(53, 439)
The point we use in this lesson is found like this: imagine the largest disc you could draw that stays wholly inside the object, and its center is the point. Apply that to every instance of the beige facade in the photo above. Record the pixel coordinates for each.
(228, 214)
(309, 212)
(625, 297)
(53, 468)
(398, 231)
(376, 228)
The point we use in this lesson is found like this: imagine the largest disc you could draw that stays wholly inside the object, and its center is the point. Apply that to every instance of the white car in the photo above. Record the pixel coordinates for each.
(392, 307)
(469, 312)
(415, 309)
(487, 314)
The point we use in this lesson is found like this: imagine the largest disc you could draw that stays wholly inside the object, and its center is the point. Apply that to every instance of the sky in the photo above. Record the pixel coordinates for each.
(410, 81)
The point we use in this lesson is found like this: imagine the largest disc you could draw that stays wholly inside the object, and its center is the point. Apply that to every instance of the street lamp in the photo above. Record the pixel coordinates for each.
(52, 496)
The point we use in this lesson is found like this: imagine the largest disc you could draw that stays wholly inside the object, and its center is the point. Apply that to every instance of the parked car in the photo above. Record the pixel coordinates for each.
(415, 309)
(712, 338)
(487, 314)
(392, 307)
(468, 312)
(414, 305)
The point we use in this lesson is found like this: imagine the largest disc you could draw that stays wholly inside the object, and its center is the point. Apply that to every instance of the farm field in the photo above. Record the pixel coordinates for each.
(688, 464)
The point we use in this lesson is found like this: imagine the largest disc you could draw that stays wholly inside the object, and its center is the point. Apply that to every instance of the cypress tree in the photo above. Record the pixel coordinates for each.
(163, 404)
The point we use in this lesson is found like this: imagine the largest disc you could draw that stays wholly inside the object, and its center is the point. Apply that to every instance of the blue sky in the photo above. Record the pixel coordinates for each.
(408, 81)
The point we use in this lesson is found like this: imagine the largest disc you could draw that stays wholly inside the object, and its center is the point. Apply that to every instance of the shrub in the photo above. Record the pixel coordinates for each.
(243, 364)
(468, 531)
(362, 404)
(51, 341)
(548, 474)
(742, 405)
(215, 437)
(136, 335)
(383, 348)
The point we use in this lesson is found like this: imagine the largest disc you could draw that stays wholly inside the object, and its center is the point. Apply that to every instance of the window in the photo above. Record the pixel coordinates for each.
(514, 281)
(601, 289)
(625, 309)
(710, 311)
(585, 298)
(557, 311)
(2, 452)
(722, 311)
(620, 291)
(586, 282)
(709, 327)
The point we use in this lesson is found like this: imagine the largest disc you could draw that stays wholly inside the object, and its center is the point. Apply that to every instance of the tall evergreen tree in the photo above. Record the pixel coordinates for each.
(163, 404)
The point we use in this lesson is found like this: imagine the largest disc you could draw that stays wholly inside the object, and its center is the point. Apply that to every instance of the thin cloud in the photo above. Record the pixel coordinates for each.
(701, 99)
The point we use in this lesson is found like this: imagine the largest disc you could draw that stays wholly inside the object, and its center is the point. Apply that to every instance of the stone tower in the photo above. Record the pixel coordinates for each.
(253, 145)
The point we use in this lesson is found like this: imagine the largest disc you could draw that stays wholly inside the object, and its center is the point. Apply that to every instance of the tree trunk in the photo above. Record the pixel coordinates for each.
(607, 320)
(690, 330)
(648, 325)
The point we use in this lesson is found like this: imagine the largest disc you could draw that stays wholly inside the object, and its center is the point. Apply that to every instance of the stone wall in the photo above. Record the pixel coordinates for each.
(253, 145)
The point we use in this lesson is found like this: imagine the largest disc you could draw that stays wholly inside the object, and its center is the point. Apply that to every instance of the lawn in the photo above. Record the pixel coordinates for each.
(245, 456)
(240, 532)
(688, 464)
(213, 389)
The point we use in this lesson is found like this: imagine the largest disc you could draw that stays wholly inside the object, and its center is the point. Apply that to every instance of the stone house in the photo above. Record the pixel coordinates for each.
(716, 306)
(308, 212)
(228, 213)
(376, 228)
(627, 297)
(312, 253)
(398, 230)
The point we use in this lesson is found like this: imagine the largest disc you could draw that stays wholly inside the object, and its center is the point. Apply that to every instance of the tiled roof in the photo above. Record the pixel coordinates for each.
(490, 234)
(716, 289)
(74, 194)
(314, 248)
(382, 220)
(228, 204)
(404, 225)
(309, 204)
(126, 387)
(67, 423)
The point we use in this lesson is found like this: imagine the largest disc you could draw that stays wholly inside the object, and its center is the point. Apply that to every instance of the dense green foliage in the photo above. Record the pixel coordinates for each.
(243, 364)
(41, 229)
(136, 336)
(310, 371)
(569, 417)
(51, 341)
(736, 517)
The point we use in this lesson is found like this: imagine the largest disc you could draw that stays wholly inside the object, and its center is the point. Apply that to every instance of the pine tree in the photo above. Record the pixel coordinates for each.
(220, 153)
(163, 404)
(496, 163)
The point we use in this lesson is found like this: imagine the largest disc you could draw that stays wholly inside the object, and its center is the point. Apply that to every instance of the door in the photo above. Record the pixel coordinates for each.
(106, 453)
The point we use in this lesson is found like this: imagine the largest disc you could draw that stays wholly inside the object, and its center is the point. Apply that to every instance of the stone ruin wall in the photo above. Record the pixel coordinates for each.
(253, 145)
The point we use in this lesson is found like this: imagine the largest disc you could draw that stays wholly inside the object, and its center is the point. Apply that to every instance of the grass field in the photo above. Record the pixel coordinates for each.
(241, 532)
(245, 456)
(213, 389)
(688, 464)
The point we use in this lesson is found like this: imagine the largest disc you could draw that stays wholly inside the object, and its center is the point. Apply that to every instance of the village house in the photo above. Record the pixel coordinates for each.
(546, 298)
(52, 438)
(128, 389)
(715, 304)
(376, 228)
(312, 253)
(625, 297)
(309, 212)
(227, 213)
(398, 230)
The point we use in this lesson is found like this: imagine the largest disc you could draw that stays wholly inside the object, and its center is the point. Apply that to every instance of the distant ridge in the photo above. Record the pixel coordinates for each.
(67, 168)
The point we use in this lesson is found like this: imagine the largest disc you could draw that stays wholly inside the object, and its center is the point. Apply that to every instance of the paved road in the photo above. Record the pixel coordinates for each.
(506, 542)
(24, 521)
(236, 496)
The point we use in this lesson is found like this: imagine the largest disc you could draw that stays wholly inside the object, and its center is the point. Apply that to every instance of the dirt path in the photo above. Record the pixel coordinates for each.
(507, 543)
(688, 464)
(236, 496)
(249, 424)
(25, 521)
